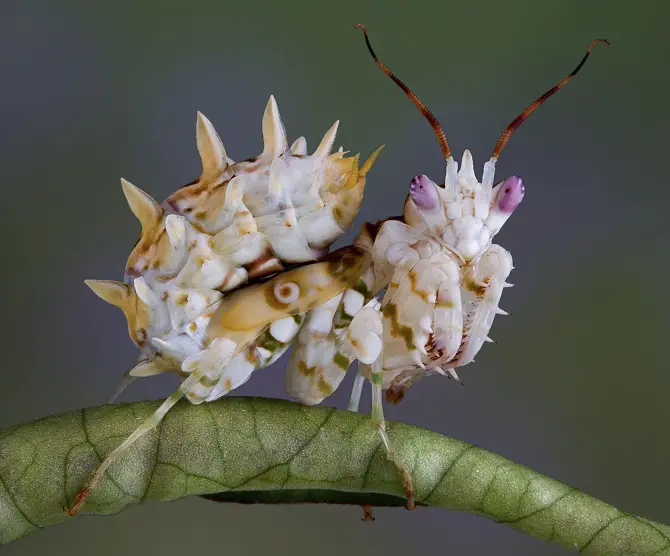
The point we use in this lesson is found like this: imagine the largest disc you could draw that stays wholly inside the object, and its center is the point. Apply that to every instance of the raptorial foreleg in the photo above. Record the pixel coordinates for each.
(492, 270)
(447, 334)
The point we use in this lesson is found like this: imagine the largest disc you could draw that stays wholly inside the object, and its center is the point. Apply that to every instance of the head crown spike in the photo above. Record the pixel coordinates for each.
(466, 175)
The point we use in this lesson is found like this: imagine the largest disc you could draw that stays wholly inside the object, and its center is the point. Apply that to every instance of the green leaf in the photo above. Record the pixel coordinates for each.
(272, 451)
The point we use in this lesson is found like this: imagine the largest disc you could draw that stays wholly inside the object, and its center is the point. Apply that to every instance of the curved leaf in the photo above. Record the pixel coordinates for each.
(262, 450)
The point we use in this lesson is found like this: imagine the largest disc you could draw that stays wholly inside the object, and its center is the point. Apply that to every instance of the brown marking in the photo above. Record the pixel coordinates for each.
(324, 388)
(271, 298)
(338, 214)
(192, 327)
(152, 243)
(228, 384)
(395, 394)
(250, 355)
(266, 263)
(431, 350)
(413, 279)
(397, 329)
(285, 290)
(471, 284)
(164, 295)
(182, 299)
(141, 337)
(305, 370)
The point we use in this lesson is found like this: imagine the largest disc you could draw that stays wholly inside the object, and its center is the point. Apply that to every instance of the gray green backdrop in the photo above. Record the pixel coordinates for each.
(577, 383)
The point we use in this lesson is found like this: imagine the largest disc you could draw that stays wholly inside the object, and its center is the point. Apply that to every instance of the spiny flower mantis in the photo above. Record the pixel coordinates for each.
(234, 268)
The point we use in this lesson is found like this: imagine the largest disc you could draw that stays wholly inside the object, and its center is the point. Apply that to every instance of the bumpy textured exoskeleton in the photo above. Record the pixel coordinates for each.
(238, 222)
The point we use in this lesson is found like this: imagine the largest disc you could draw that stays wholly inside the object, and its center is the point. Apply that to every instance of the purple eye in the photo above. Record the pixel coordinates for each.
(510, 194)
(424, 192)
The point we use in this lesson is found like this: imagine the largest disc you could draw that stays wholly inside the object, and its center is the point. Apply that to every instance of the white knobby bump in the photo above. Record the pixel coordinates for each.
(299, 146)
(284, 329)
(175, 226)
(286, 292)
(145, 293)
(211, 361)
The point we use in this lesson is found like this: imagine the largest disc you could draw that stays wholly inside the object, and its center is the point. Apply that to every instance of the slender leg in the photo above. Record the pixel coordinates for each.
(378, 420)
(218, 355)
(355, 399)
(127, 381)
(149, 424)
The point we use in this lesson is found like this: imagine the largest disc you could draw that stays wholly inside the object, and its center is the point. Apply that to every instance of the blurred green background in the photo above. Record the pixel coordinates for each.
(577, 383)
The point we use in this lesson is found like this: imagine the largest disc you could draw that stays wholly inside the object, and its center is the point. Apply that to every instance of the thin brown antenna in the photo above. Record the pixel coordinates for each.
(437, 128)
(532, 107)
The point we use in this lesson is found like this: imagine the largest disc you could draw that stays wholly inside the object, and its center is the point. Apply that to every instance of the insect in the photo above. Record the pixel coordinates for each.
(234, 268)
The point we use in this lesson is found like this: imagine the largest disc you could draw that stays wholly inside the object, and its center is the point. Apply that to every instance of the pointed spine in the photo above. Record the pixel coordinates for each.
(326, 145)
(211, 149)
(274, 134)
(143, 205)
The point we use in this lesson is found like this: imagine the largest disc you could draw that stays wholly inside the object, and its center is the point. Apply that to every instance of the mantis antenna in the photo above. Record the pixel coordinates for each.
(532, 107)
(437, 128)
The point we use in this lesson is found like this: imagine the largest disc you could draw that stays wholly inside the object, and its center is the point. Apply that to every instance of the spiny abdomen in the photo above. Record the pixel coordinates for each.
(237, 222)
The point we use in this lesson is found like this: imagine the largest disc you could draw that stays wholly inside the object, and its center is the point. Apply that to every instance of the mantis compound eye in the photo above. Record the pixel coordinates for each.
(424, 192)
(510, 194)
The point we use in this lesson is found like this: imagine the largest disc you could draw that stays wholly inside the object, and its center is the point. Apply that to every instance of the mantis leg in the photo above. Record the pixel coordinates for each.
(480, 302)
(447, 318)
(380, 423)
(355, 398)
(224, 350)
